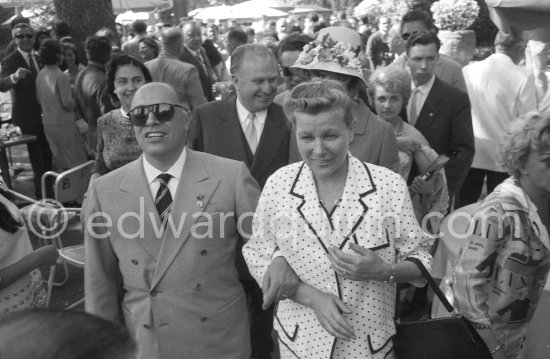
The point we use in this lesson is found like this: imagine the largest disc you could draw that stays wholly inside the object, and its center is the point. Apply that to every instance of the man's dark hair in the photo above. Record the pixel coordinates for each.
(61, 29)
(293, 42)
(98, 49)
(422, 38)
(19, 20)
(237, 35)
(139, 27)
(49, 51)
(420, 16)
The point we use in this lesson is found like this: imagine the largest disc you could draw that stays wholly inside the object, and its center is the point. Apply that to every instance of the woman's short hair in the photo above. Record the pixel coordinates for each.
(151, 43)
(50, 49)
(529, 134)
(73, 48)
(117, 61)
(317, 96)
(392, 79)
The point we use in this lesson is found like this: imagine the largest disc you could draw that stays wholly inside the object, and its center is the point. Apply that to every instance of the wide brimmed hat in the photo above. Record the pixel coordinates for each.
(335, 49)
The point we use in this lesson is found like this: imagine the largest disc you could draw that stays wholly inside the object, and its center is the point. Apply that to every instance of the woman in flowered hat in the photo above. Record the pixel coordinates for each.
(335, 55)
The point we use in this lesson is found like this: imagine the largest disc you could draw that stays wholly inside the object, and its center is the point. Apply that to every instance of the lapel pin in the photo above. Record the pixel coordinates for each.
(431, 114)
(199, 200)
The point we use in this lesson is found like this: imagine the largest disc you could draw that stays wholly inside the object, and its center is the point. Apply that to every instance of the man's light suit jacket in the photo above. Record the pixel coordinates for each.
(182, 295)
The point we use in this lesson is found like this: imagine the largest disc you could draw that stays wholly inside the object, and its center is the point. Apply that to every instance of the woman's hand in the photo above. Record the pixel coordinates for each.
(422, 186)
(363, 266)
(408, 144)
(328, 309)
(280, 282)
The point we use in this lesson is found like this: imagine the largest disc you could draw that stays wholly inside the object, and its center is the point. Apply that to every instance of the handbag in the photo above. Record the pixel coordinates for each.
(442, 338)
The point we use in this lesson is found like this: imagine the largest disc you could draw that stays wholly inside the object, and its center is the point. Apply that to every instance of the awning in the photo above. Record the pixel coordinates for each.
(531, 18)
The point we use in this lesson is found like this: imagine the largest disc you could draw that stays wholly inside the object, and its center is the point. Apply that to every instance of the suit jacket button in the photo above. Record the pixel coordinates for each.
(204, 319)
(135, 262)
(146, 326)
(154, 293)
(198, 287)
(204, 252)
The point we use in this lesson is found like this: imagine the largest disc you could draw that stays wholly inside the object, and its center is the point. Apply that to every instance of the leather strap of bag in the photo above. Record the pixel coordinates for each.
(431, 283)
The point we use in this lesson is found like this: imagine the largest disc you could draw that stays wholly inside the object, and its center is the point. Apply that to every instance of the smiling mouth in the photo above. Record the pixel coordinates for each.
(154, 134)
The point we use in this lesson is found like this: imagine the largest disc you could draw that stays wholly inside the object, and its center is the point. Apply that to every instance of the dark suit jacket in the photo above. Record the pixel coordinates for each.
(446, 122)
(206, 80)
(215, 129)
(91, 98)
(26, 112)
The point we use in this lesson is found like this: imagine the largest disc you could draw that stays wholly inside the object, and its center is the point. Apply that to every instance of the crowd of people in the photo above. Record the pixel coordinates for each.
(279, 176)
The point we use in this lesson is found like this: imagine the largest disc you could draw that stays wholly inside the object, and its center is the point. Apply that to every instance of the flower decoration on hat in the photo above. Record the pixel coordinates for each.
(329, 50)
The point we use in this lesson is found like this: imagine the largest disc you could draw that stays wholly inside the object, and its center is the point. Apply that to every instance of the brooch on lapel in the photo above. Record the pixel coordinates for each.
(431, 115)
(199, 200)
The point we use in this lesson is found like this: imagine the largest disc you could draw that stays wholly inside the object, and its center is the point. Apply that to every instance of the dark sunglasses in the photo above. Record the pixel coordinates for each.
(24, 36)
(163, 112)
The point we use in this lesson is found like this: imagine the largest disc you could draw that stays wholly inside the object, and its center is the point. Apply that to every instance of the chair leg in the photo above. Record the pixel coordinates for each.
(50, 285)
(57, 242)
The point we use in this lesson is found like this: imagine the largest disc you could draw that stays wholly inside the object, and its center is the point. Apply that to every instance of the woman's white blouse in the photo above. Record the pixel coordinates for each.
(376, 213)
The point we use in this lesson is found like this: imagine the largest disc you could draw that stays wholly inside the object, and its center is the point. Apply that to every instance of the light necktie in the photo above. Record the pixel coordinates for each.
(163, 200)
(412, 110)
(250, 132)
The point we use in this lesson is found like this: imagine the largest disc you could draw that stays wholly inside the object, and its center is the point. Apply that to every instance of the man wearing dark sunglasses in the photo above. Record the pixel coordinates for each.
(288, 51)
(176, 258)
(446, 69)
(19, 70)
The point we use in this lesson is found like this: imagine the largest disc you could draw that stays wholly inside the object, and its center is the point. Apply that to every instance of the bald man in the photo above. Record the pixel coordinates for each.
(169, 69)
(167, 225)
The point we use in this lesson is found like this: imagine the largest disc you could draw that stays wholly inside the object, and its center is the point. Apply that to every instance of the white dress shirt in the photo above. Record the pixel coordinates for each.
(151, 174)
(259, 122)
(421, 95)
(499, 92)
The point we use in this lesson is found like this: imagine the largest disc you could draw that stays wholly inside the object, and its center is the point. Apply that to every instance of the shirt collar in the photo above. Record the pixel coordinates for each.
(425, 88)
(24, 53)
(242, 112)
(151, 172)
(194, 52)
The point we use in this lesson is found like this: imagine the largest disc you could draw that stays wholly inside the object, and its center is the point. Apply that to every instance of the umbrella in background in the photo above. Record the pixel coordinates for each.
(140, 5)
(244, 11)
(211, 13)
(274, 4)
(130, 16)
(306, 9)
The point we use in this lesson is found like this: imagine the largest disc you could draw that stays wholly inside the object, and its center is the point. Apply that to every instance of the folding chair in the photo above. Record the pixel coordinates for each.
(49, 217)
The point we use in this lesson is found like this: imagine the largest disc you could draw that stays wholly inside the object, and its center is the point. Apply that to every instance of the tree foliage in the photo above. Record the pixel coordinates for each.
(85, 17)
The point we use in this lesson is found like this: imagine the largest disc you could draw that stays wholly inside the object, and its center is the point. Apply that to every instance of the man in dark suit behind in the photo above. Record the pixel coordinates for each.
(19, 70)
(90, 86)
(441, 112)
(253, 129)
(194, 54)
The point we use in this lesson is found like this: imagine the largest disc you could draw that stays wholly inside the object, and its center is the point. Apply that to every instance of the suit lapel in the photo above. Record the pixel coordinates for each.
(431, 107)
(231, 134)
(136, 183)
(270, 140)
(194, 191)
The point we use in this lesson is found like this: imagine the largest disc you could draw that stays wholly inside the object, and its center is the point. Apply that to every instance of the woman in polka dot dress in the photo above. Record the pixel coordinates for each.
(345, 228)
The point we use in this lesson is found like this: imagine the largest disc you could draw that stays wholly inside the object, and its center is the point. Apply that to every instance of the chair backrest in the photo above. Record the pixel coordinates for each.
(71, 185)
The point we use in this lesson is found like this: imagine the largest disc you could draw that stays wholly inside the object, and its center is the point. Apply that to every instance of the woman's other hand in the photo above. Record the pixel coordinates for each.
(408, 144)
(422, 186)
(328, 309)
(363, 266)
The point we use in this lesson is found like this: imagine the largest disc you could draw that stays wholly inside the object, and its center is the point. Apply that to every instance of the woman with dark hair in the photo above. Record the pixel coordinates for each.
(54, 93)
(116, 142)
(39, 37)
(148, 49)
(72, 62)
(20, 283)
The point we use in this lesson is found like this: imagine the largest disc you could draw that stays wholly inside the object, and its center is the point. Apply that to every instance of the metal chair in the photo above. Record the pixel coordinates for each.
(48, 218)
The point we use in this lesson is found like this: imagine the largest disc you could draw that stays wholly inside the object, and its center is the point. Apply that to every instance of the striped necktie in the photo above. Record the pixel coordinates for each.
(163, 200)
